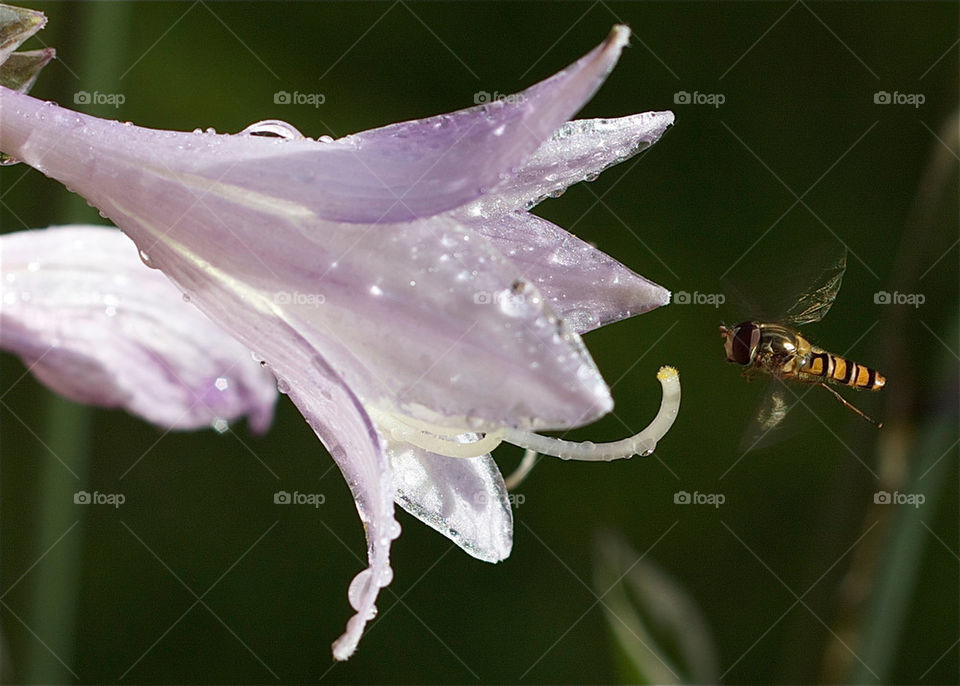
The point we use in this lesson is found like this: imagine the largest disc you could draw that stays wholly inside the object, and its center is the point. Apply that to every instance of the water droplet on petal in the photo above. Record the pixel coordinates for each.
(359, 588)
(393, 530)
(220, 425)
(221, 384)
(186, 298)
(283, 386)
(273, 127)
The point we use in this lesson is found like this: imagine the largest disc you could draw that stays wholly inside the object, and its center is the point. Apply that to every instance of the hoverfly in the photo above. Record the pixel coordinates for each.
(782, 352)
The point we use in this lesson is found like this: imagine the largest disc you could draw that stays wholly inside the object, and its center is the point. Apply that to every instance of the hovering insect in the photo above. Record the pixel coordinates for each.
(780, 351)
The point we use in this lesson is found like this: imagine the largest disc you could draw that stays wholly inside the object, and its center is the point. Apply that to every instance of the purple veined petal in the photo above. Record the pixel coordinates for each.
(584, 285)
(423, 167)
(338, 418)
(425, 315)
(95, 325)
(578, 151)
(442, 347)
(463, 498)
(394, 173)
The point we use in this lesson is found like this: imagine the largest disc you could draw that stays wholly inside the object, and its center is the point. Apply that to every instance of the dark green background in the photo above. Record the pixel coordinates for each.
(798, 80)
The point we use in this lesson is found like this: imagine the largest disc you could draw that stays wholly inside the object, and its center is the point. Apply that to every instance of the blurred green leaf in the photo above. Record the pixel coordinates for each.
(655, 621)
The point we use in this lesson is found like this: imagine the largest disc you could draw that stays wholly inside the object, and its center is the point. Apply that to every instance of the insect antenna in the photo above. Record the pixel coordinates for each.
(852, 407)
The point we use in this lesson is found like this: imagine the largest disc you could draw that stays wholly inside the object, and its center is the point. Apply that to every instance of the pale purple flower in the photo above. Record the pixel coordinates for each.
(92, 323)
(393, 280)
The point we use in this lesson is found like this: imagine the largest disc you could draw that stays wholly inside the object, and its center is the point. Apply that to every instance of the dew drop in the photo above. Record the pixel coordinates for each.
(359, 588)
(221, 384)
(283, 386)
(220, 425)
(186, 298)
(393, 530)
(275, 128)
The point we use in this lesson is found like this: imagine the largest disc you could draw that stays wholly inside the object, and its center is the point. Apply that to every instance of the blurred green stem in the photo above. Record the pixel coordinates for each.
(100, 39)
(900, 565)
(56, 580)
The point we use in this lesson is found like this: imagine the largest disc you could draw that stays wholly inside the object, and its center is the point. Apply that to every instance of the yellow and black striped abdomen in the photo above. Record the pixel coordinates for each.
(839, 370)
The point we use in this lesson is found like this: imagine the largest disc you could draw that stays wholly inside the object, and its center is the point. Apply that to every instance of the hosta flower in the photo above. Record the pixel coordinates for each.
(90, 321)
(393, 280)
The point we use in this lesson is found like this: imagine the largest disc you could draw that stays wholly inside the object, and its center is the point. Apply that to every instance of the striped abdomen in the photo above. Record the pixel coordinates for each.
(839, 370)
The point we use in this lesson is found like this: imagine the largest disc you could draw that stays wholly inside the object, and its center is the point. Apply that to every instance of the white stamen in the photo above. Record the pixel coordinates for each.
(642, 443)
(444, 441)
(435, 439)
(520, 473)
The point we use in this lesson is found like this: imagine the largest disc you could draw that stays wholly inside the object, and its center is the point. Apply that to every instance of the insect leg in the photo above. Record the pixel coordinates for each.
(845, 402)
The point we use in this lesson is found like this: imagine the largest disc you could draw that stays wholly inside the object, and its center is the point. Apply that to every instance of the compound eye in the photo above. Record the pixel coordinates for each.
(746, 338)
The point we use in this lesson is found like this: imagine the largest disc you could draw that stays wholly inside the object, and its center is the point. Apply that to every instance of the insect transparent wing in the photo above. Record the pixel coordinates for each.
(766, 427)
(816, 301)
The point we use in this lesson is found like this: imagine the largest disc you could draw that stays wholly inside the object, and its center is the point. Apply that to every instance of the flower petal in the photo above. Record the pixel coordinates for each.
(22, 68)
(17, 25)
(579, 151)
(585, 286)
(463, 498)
(339, 420)
(97, 326)
(420, 168)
